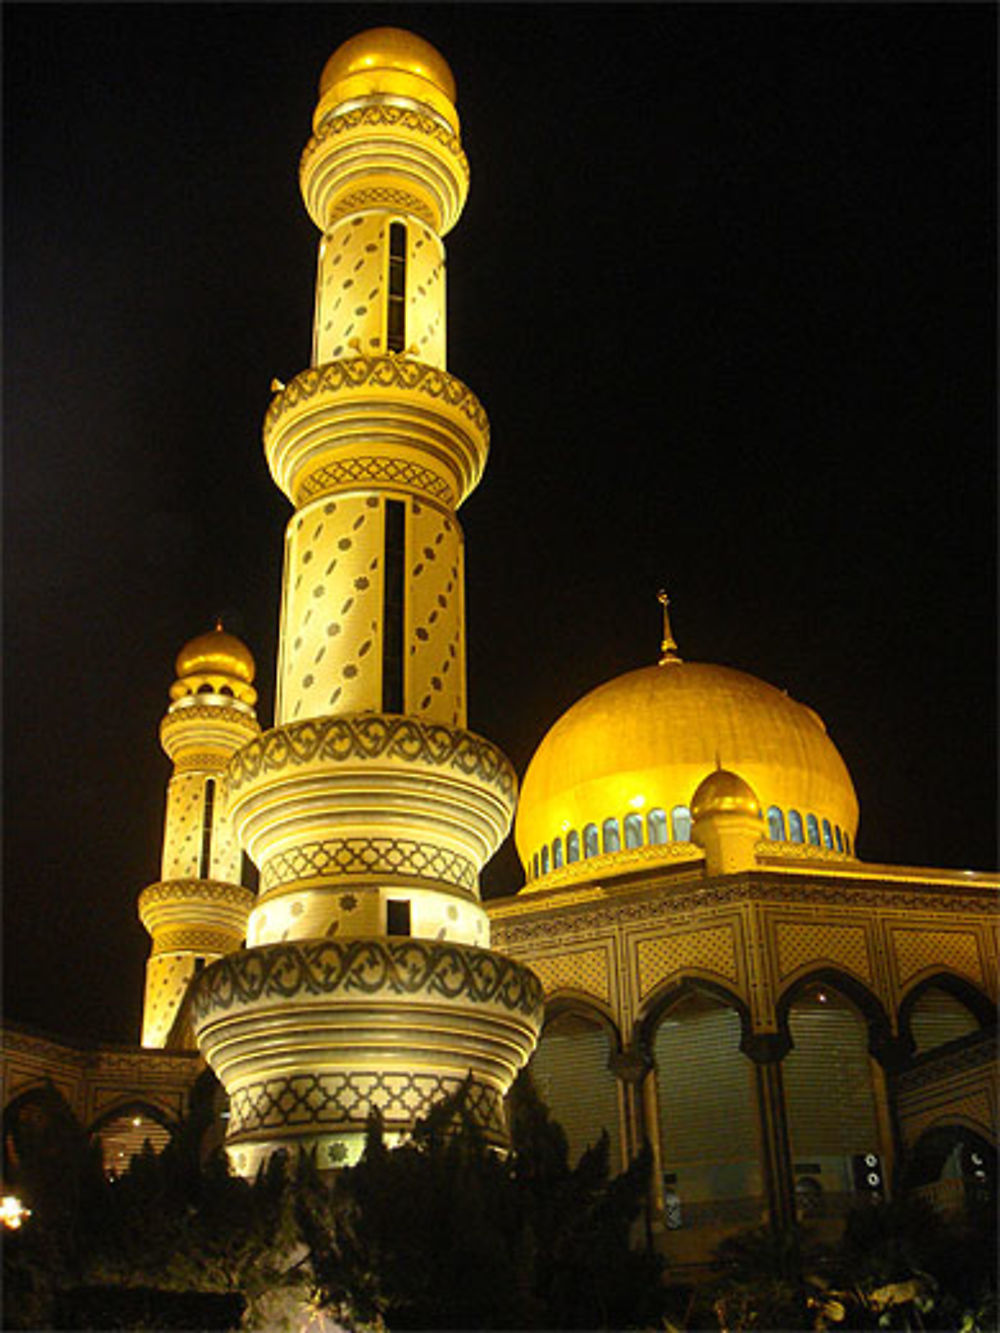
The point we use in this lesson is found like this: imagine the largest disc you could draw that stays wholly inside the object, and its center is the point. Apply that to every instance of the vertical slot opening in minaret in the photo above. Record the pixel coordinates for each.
(208, 811)
(397, 917)
(392, 611)
(395, 333)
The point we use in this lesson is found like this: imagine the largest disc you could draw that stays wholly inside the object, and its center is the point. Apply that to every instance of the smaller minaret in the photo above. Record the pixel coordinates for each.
(198, 909)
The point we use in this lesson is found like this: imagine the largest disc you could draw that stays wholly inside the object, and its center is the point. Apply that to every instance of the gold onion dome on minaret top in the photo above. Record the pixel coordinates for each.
(217, 651)
(216, 658)
(389, 61)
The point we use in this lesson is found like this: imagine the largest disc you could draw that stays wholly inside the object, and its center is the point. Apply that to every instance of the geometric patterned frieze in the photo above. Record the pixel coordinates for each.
(801, 943)
(949, 950)
(366, 967)
(380, 372)
(196, 891)
(332, 125)
(342, 1100)
(205, 941)
(396, 471)
(712, 950)
(362, 856)
(372, 736)
(526, 919)
(381, 196)
(585, 970)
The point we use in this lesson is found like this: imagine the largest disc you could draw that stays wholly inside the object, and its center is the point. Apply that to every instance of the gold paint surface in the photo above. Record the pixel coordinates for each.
(654, 734)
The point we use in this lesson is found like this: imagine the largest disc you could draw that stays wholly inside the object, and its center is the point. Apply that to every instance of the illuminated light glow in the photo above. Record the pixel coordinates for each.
(637, 802)
(136, 1121)
(13, 1212)
(368, 807)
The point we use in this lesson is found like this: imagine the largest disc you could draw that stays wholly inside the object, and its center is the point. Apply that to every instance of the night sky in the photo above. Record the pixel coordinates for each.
(725, 286)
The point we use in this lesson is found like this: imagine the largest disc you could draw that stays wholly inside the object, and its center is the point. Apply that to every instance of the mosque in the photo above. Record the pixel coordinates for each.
(698, 957)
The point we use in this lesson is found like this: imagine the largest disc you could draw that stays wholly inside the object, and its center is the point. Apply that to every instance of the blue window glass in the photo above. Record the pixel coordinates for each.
(572, 846)
(656, 826)
(795, 826)
(633, 831)
(590, 847)
(680, 819)
(611, 835)
(557, 858)
(544, 859)
(839, 838)
(812, 830)
(827, 835)
(775, 824)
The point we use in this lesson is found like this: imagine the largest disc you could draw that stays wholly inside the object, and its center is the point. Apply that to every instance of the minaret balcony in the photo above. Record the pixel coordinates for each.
(380, 421)
(388, 155)
(370, 798)
(308, 1036)
(212, 905)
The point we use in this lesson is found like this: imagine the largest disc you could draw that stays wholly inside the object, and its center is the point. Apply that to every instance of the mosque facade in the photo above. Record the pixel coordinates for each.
(698, 959)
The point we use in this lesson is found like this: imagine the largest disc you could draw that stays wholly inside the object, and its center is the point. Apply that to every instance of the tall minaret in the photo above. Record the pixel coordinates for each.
(198, 910)
(369, 808)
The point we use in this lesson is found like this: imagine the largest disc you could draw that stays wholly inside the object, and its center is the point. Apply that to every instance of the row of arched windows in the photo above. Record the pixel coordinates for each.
(635, 831)
(820, 833)
(611, 836)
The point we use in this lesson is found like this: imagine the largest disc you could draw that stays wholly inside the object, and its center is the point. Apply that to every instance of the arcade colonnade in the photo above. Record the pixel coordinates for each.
(781, 1061)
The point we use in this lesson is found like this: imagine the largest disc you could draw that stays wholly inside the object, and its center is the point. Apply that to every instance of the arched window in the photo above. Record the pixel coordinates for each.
(812, 830)
(829, 1093)
(570, 1072)
(847, 842)
(938, 1017)
(775, 824)
(611, 836)
(544, 859)
(827, 835)
(534, 866)
(633, 831)
(572, 845)
(656, 826)
(557, 856)
(680, 820)
(590, 845)
(794, 826)
(838, 837)
(125, 1132)
(707, 1123)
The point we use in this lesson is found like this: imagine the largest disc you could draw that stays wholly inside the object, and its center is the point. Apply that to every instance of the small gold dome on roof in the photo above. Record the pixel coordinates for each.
(218, 654)
(723, 792)
(389, 60)
(646, 740)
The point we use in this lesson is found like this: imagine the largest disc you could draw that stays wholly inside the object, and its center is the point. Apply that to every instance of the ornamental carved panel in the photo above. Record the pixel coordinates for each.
(710, 950)
(802, 943)
(583, 970)
(932, 948)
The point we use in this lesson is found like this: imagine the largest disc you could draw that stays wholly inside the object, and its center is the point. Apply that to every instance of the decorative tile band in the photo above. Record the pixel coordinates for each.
(436, 968)
(372, 736)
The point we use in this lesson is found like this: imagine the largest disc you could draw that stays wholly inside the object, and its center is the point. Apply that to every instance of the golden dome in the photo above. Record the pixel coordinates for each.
(389, 60)
(723, 792)
(644, 742)
(216, 654)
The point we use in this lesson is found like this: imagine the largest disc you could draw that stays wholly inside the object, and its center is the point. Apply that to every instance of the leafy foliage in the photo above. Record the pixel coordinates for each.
(446, 1233)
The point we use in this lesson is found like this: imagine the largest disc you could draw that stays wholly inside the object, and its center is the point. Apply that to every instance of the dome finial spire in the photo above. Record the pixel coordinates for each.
(668, 646)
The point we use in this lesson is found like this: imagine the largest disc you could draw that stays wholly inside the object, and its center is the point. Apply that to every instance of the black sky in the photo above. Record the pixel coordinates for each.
(725, 286)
